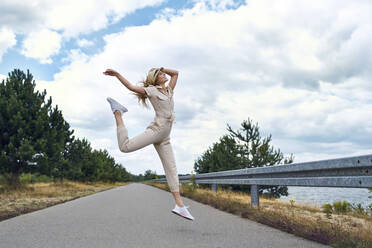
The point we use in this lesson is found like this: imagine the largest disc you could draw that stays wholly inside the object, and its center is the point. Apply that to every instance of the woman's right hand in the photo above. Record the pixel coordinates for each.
(111, 72)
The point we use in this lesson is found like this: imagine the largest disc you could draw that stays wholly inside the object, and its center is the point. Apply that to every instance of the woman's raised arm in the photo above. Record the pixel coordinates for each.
(125, 82)
(174, 76)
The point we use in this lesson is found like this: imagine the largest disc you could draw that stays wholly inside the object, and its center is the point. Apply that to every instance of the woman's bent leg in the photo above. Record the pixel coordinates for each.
(118, 119)
(166, 155)
(129, 145)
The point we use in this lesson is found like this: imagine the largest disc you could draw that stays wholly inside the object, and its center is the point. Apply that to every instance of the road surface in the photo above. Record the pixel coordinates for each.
(138, 215)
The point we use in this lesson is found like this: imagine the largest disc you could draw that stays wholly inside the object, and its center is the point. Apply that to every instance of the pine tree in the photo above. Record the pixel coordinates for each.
(223, 155)
(256, 151)
(149, 174)
(80, 155)
(30, 130)
(54, 162)
(244, 148)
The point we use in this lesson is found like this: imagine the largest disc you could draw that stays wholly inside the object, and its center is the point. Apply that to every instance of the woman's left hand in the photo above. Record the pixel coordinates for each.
(111, 72)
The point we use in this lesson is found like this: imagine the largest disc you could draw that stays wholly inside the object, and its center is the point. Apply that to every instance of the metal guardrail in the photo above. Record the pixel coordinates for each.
(349, 172)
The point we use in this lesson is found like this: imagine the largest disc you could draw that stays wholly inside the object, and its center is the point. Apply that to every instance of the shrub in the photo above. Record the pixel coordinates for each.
(188, 187)
(369, 209)
(327, 209)
(342, 207)
(358, 209)
(25, 178)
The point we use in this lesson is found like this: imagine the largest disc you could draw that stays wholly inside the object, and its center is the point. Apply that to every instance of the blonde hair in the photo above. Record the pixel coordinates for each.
(145, 83)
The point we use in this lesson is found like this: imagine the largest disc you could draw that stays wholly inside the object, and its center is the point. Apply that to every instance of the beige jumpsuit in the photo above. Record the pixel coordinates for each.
(156, 133)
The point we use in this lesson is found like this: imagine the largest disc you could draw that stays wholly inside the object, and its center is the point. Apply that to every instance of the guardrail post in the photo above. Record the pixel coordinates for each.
(214, 188)
(255, 201)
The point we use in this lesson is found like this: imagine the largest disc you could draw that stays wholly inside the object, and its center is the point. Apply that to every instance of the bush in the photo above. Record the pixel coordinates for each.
(26, 178)
(43, 179)
(328, 210)
(6, 180)
(342, 207)
(34, 178)
(188, 187)
(369, 209)
(358, 209)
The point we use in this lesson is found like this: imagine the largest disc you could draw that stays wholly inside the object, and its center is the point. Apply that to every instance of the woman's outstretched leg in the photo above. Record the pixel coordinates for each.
(167, 158)
(165, 151)
(177, 198)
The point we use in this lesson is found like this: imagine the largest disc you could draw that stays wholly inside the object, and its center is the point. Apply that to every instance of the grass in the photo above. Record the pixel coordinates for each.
(310, 222)
(36, 196)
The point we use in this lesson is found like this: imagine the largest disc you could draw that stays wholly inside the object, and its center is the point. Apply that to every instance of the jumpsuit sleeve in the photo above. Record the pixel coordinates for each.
(149, 91)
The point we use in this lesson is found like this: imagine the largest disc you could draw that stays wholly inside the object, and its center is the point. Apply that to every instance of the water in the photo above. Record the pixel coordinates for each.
(319, 196)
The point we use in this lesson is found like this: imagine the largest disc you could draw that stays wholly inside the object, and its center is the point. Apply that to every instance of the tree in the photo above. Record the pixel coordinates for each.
(54, 162)
(121, 174)
(27, 125)
(79, 155)
(87, 164)
(243, 148)
(256, 151)
(149, 174)
(223, 155)
(34, 137)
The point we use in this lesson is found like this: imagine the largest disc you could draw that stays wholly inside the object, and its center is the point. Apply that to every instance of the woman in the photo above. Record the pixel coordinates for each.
(158, 132)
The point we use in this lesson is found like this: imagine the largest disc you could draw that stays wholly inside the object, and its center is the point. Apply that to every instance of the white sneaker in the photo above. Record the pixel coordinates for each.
(116, 106)
(182, 212)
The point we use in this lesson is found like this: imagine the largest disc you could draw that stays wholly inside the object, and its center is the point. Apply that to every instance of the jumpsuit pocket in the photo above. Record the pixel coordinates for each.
(162, 97)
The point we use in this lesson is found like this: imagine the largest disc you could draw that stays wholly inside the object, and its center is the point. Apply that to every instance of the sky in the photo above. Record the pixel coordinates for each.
(300, 69)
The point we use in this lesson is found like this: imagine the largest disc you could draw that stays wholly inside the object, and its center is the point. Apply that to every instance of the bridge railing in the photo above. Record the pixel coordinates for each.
(348, 172)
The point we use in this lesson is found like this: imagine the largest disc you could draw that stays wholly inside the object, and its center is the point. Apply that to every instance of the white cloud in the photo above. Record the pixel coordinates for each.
(42, 45)
(88, 16)
(305, 80)
(7, 40)
(323, 116)
(71, 17)
(75, 54)
(85, 43)
(40, 20)
(23, 16)
(217, 5)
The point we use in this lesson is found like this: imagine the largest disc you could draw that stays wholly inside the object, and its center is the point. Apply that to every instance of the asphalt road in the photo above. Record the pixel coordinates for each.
(138, 215)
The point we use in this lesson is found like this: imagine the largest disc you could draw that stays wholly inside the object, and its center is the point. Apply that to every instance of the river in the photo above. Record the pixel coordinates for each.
(322, 195)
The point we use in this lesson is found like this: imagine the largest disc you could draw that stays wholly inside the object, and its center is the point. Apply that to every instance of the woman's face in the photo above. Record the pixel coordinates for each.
(161, 78)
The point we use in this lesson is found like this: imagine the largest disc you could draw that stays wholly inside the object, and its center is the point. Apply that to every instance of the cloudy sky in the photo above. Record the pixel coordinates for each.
(301, 69)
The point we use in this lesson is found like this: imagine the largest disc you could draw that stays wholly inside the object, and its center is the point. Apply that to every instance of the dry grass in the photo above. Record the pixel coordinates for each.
(307, 221)
(37, 196)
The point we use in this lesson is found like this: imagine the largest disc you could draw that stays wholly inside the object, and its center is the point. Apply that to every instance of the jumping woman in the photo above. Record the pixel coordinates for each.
(158, 132)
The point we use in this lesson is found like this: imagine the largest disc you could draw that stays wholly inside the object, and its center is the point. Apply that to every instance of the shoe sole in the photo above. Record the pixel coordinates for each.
(123, 110)
(181, 215)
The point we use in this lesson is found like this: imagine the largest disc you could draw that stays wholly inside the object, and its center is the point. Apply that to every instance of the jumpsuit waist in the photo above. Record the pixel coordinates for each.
(169, 118)
(161, 122)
